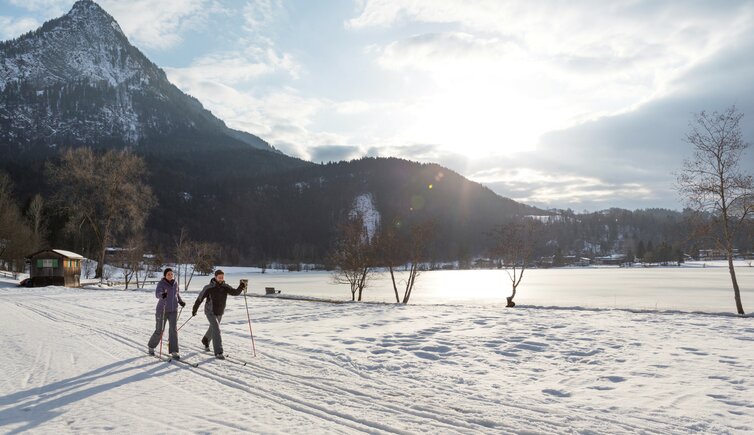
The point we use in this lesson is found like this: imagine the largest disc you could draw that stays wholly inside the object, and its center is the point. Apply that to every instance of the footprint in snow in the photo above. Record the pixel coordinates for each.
(694, 351)
(427, 355)
(614, 379)
(556, 393)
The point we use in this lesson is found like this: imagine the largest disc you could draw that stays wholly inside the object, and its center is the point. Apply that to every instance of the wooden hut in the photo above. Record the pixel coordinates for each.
(55, 267)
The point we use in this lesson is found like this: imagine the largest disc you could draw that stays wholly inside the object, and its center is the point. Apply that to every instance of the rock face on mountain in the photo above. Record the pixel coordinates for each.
(78, 81)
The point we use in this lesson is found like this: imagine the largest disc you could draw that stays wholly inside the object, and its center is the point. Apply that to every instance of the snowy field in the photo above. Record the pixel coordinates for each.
(74, 362)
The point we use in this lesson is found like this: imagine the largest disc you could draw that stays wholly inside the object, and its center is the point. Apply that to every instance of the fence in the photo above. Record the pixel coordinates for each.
(6, 274)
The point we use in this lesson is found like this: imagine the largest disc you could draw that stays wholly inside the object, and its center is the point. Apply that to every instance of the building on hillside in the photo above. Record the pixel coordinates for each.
(55, 267)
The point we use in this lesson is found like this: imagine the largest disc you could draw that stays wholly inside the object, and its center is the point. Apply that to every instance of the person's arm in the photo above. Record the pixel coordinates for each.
(178, 293)
(158, 292)
(235, 291)
(199, 299)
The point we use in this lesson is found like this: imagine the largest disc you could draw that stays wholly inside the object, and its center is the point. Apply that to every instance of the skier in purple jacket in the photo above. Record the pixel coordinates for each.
(168, 299)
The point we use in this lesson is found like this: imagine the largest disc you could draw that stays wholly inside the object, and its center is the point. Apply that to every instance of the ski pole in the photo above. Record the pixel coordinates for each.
(179, 315)
(253, 347)
(185, 322)
(162, 319)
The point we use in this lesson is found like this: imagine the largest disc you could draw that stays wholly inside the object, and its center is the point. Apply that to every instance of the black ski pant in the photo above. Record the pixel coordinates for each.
(213, 332)
(160, 327)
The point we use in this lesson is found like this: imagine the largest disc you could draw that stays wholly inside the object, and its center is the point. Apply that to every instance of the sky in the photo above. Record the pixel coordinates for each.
(579, 104)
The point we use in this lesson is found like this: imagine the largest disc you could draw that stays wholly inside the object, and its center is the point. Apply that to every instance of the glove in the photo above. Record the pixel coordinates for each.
(164, 295)
(183, 304)
(193, 313)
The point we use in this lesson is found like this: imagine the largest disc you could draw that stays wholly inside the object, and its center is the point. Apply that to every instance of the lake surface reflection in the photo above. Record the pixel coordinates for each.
(689, 288)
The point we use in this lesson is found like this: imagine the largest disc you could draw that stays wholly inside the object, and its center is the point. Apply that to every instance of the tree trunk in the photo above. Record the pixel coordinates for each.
(736, 291)
(410, 283)
(98, 272)
(105, 239)
(510, 303)
(395, 287)
(362, 281)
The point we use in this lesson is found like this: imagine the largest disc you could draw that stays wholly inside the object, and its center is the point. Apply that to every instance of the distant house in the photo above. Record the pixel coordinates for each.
(55, 267)
(715, 254)
(612, 260)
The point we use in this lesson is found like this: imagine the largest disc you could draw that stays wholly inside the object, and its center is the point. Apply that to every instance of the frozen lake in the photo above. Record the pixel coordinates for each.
(693, 287)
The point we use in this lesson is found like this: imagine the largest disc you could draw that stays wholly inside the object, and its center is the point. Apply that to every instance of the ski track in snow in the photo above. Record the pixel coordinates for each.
(76, 362)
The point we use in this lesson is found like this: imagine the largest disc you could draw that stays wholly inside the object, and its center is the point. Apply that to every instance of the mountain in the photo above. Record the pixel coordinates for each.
(294, 214)
(77, 81)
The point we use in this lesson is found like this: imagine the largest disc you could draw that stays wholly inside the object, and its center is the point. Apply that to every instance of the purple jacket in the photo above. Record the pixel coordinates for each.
(171, 288)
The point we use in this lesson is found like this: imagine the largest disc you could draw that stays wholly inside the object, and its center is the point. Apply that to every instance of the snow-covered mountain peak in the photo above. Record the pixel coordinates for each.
(78, 80)
(89, 12)
(87, 43)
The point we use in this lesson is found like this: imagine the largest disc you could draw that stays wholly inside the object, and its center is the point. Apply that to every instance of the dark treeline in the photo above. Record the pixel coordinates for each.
(292, 215)
(260, 208)
(616, 231)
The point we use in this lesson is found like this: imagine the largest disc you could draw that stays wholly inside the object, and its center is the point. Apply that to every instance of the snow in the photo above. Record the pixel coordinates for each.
(74, 362)
(69, 254)
(363, 205)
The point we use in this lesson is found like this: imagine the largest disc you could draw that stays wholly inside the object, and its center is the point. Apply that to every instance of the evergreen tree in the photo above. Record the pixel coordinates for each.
(640, 250)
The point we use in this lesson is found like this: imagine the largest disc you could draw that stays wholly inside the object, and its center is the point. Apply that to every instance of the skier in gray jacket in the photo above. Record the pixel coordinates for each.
(168, 299)
(216, 293)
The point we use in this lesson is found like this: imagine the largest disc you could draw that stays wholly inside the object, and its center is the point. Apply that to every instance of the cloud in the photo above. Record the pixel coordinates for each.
(577, 60)
(281, 116)
(334, 153)
(561, 189)
(581, 103)
(158, 25)
(147, 23)
(229, 68)
(13, 27)
(52, 7)
(260, 14)
(451, 49)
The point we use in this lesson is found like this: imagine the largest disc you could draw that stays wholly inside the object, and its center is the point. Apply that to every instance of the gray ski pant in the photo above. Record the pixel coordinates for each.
(160, 326)
(213, 332)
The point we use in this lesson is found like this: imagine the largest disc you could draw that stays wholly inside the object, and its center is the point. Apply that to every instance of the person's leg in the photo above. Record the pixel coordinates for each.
(154, 340)
(173, 336)
(214, 326)
(207, 335)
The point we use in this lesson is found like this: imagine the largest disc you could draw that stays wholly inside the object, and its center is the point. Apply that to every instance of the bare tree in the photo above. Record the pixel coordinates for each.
(712, 182)
(152, 264)
(194, 257)
(395, 249)
(205, 255)
(103, 191)
(35, 214)
(16, 237)
(88, 266)
(353, 257)
(513, 247)
(390, 252)
(130, 259)
(183, 254)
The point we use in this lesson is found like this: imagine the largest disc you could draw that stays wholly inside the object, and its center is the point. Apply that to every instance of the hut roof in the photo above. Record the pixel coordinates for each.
(67, 254)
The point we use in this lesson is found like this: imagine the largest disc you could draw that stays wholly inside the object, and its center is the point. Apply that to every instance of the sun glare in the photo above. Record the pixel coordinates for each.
(481, 117)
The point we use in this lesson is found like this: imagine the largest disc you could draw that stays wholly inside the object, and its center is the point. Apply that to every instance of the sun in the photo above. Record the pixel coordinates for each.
(480, 118)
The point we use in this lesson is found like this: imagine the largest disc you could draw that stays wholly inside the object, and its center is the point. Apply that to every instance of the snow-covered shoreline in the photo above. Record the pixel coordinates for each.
(78, 365)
